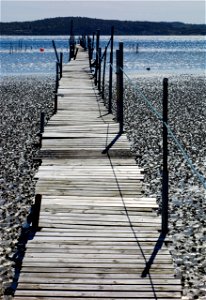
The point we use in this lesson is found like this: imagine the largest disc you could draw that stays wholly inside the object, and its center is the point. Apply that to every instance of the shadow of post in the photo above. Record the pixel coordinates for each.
(111, 143)
(157, 247)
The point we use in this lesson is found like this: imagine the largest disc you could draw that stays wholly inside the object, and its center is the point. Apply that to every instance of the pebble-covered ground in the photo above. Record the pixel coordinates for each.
(187, 197)
(22, 101)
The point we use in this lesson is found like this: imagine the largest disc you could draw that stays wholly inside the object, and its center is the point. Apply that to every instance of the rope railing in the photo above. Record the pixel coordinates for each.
(175, 139)
(99, 76)
(167, 131)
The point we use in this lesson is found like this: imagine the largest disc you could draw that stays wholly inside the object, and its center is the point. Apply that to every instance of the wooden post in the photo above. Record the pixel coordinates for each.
(55, 103)
(89, 50)
(100, 69)
(111, 71)
(104, 72)
(97, 59)
(55, 50)
(42, 121)
(61, 63)
(93, 35)
(71, 42)
(36, 212)
(120, 91)
(56, 87)
(165, 177)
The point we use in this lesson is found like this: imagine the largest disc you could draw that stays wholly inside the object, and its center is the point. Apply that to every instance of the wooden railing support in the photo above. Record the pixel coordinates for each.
(56, 88)
(120, 88)
(61, 64)
(100, 68)
(42, 122)
(36, 212)
(97, 59)
(104, 72)
(71, 42)
(111, 71)
(165, 177)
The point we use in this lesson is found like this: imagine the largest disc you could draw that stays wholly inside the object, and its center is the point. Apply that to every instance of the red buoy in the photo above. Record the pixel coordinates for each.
(41, 49)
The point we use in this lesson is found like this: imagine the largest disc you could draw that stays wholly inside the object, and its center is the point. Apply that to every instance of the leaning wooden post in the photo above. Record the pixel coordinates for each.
(55, 50)
(100, 68)
(111, 71)
(165, 177)
(97, 59)
(36, 212)
(120, 91)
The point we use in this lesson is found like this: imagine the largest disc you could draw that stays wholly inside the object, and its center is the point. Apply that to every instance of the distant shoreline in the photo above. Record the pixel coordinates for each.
(86, 26)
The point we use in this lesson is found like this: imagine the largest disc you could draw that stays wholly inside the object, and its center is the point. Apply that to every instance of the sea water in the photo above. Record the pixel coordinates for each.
(143, 55)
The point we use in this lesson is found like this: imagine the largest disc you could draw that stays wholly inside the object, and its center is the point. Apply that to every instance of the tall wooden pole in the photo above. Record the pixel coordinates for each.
(165, 178)
(111, 71)
(120, 88)
(97, 58)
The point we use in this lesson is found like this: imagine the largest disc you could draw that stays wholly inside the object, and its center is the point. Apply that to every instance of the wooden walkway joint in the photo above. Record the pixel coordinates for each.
(99, 236)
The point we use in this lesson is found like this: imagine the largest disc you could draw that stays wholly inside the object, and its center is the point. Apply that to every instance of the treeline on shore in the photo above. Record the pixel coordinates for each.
(61, 26)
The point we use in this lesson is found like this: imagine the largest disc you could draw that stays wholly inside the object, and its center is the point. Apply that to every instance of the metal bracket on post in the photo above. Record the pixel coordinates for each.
(165, 177)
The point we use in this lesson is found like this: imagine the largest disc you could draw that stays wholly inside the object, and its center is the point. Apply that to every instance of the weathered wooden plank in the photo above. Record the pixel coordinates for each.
(98, 287)
(95, 279)
(97, 294)
(88, 298)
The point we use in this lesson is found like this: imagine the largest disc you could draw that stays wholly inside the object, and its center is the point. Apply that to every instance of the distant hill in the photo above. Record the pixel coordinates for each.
(61, 26)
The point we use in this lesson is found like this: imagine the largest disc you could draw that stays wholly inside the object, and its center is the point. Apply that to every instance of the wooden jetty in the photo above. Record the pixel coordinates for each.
(99, 236)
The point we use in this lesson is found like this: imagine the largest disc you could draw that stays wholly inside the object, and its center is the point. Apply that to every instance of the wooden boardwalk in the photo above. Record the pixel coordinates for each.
(97, 230)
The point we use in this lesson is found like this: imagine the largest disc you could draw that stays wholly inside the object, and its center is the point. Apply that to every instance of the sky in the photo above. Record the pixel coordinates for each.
(187, 11)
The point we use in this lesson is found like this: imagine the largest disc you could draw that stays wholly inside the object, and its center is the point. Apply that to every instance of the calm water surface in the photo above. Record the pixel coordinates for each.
(143, 55)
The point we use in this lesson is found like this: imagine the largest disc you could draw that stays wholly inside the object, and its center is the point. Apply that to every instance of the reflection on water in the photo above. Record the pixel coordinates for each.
(142, 54)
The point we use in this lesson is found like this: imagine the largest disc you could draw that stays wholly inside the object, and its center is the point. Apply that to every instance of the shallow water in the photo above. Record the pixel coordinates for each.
(143, 55)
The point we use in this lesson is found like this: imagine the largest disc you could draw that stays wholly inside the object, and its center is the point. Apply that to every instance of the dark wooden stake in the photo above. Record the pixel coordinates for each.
(104, 72)
(100, 69)
(56, 87)
(36, 212)
(61, 64)
(42, 121)
(120, 91)
(97, 59)
(57, 76)
(71, 42)
(165, 177)
(111, 71)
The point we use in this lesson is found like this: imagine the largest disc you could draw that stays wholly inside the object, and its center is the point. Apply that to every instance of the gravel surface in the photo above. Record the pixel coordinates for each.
(22, 101)
(187, 197)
